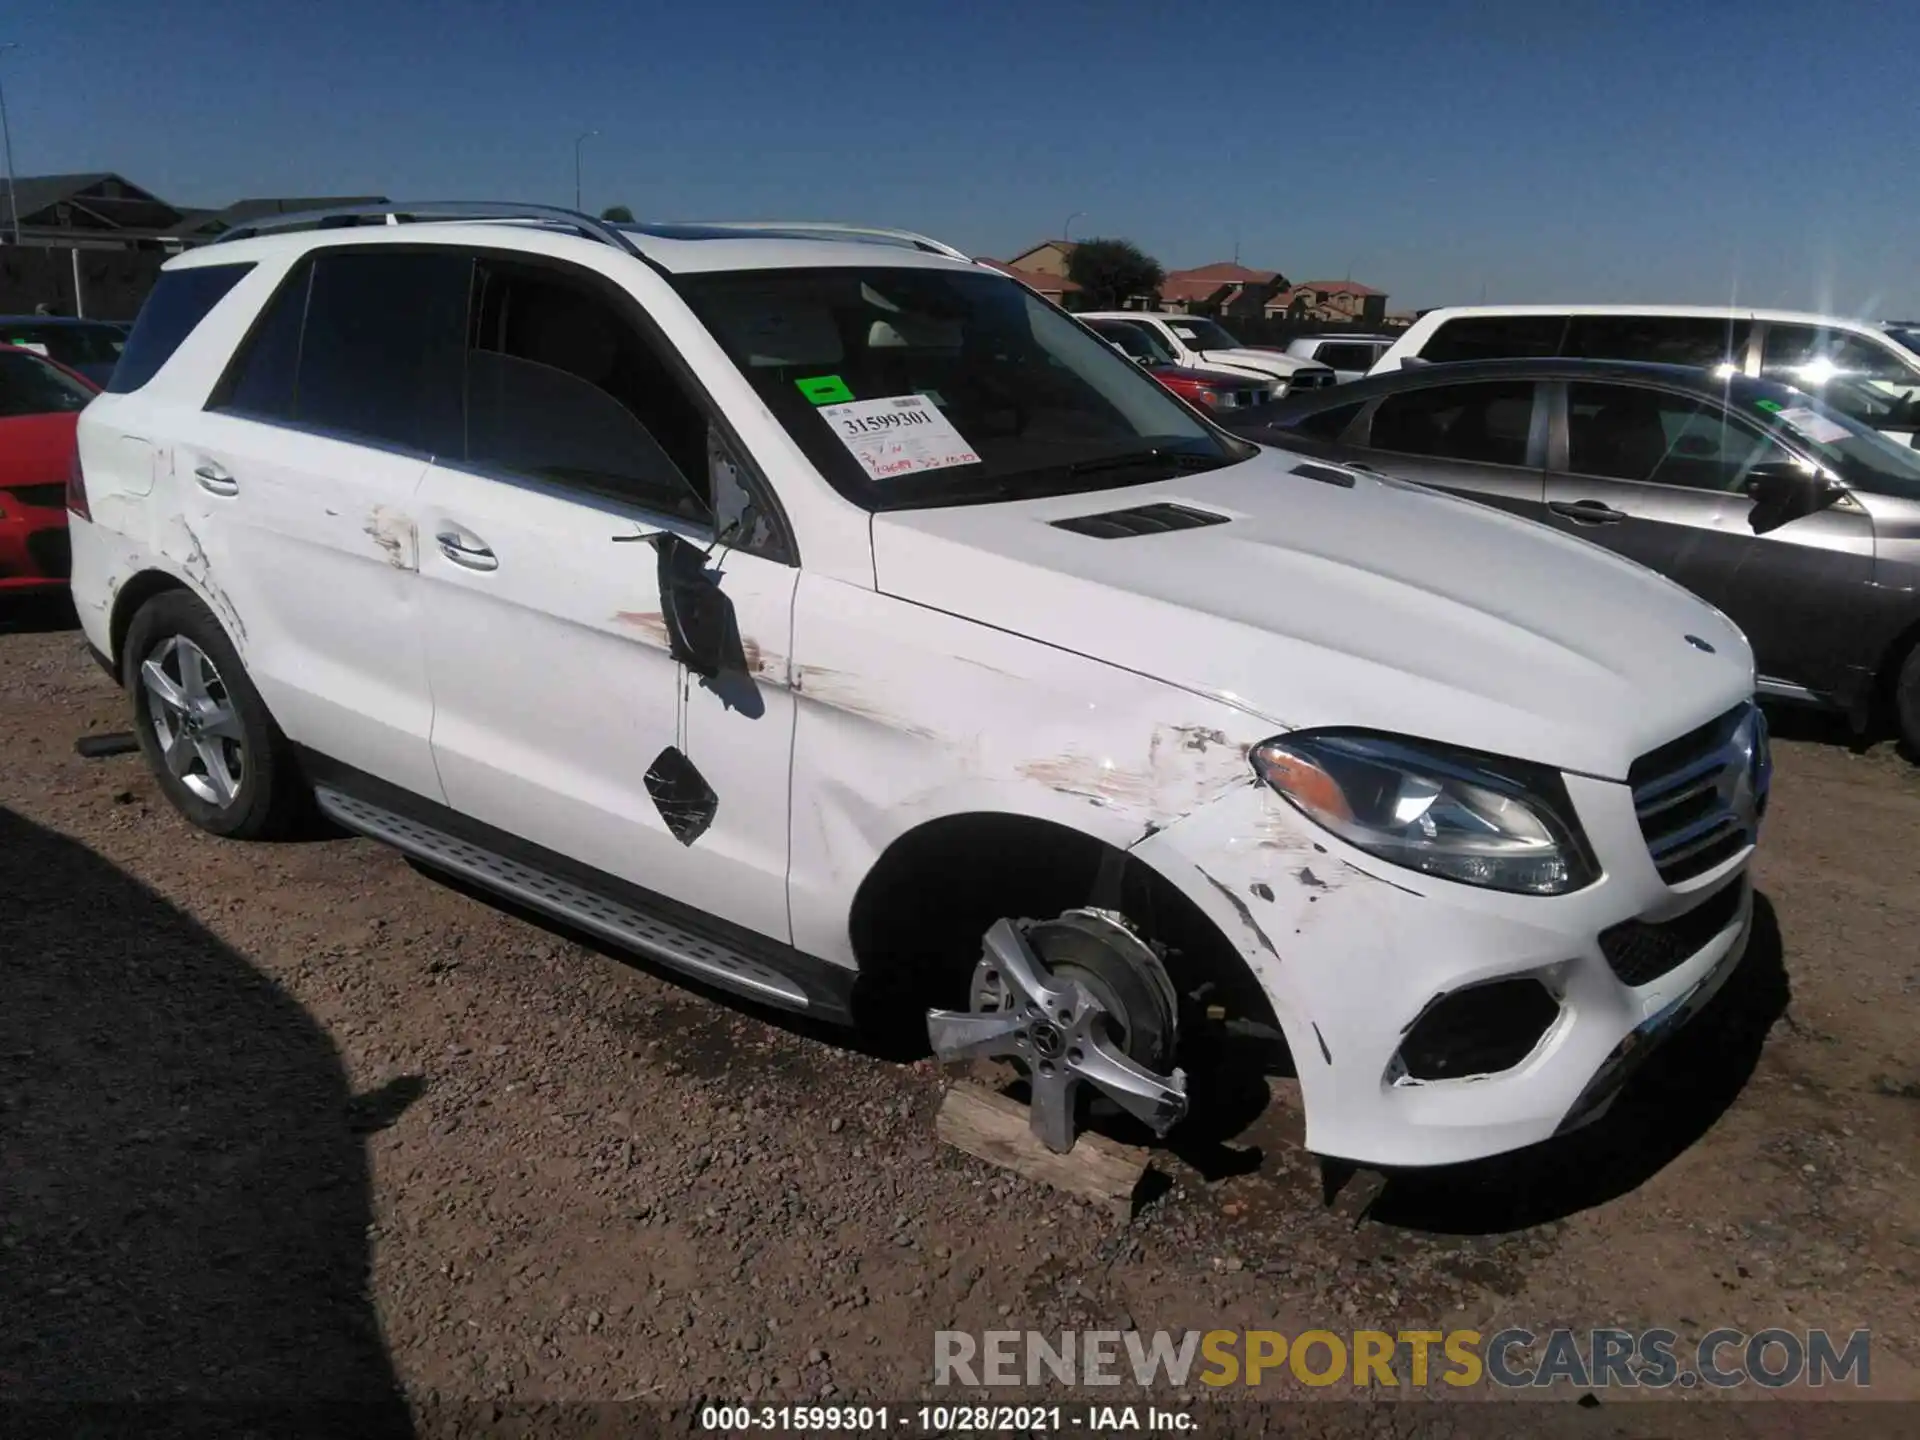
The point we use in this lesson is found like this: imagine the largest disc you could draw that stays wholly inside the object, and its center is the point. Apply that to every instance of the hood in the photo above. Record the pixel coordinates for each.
(37, 449)
(1261, 362)
(1382, 605)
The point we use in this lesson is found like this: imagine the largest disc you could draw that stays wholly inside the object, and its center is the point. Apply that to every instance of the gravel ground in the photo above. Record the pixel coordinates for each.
(300, 1121)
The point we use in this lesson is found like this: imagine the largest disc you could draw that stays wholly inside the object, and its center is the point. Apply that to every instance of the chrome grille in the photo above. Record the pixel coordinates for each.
(1310, 380)
(1700, 798)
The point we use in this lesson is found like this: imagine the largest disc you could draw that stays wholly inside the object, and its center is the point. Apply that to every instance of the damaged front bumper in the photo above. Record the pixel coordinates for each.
(1433, 1022)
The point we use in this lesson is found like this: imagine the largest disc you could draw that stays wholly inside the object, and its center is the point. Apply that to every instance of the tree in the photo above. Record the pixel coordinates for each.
(619, 214)
(1110, 272)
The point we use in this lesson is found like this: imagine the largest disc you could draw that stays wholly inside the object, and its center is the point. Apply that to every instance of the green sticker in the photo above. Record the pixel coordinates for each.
(1773, 405)
(825, 390)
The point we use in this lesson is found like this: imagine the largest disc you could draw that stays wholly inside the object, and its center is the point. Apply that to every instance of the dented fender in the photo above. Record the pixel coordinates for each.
(906, 715)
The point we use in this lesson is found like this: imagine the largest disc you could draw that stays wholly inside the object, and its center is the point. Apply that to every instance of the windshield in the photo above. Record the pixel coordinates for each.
(30, 386)
(920, 387)
(1203, 334)
(1136, 340)
(69, 344)
(1907, 335)
(1856, 451)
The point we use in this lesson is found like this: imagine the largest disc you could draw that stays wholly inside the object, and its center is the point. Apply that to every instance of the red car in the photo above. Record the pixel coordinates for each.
(40, 403)
(1209, 389)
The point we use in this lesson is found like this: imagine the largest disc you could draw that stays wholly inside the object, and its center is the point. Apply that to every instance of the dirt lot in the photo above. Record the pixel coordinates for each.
(300, 1121)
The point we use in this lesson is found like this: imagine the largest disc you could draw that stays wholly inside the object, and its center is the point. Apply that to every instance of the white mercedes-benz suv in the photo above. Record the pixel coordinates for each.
(831, 618)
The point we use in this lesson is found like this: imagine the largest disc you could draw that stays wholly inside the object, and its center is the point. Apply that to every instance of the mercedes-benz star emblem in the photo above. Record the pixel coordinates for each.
(1697, 643)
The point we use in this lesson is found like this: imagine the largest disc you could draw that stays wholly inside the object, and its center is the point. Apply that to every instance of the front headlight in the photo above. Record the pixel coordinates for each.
(1478, 819)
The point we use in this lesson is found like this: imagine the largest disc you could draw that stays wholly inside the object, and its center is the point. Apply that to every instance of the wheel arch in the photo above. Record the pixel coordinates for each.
(920, 911)
(127, 603)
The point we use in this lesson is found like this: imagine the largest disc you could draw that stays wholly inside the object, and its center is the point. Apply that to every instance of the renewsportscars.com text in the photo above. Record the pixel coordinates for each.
(1509, 1359)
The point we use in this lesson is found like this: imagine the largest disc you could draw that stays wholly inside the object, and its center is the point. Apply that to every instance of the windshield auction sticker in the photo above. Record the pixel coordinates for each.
(898, 436)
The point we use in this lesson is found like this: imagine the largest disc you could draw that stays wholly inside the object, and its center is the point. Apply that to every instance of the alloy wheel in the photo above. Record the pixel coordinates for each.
(202, 742)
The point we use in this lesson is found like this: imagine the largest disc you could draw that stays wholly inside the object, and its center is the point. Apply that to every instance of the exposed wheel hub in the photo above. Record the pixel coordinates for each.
(1080, 999)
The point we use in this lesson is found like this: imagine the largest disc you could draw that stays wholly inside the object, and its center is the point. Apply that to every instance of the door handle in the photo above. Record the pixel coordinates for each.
(467, 551)
(1587, 512)
(214, 480)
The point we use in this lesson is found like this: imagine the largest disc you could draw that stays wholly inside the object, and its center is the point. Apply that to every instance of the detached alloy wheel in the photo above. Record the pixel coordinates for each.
(204, 729)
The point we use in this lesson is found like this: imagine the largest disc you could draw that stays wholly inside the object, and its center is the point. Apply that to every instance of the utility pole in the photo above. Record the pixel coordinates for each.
(6, 136)
(576, 164)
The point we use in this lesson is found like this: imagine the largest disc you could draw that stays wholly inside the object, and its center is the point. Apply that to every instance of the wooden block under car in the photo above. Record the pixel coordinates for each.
(996, 1129)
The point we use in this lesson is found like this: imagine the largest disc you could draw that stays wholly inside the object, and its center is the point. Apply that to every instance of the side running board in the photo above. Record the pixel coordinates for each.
(625, 925)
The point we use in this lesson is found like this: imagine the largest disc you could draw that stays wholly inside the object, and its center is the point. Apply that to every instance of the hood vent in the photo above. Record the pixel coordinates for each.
(1325, 474)
(1141, 520)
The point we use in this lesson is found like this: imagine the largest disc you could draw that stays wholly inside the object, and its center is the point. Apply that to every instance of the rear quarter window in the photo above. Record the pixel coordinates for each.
(179, 302)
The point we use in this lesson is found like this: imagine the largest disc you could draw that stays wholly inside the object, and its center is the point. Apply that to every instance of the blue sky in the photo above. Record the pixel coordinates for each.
(1694, 150)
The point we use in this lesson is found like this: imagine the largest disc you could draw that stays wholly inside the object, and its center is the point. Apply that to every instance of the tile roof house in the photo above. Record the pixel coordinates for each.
(1224, 287)
(1336, 302)
(1053, 287)
(1049, 257)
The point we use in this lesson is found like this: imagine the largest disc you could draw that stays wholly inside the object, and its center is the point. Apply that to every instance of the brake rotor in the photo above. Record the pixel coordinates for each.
(1080, 999)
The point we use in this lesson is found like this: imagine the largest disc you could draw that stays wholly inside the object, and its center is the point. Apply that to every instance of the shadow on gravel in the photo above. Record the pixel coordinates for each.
(1669, 1103)
(184, 1198)
(29, 614)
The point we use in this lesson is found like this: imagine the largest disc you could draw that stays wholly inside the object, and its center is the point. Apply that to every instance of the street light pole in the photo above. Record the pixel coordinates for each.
(576, 164)
(1066, 230)
(6, 136)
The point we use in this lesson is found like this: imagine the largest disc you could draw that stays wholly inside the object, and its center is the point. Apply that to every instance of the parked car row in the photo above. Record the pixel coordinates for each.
(1869, 371)
(1790, 515)
(829, 617)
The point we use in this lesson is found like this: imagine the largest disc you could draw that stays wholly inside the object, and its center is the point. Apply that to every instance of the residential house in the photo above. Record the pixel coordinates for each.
(1225, 287)
(1330, 302)
(1054, 287)
(101, 211)
(1049, 257)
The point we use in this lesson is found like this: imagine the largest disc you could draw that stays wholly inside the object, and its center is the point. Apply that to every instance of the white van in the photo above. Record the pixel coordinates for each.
(1857, 365)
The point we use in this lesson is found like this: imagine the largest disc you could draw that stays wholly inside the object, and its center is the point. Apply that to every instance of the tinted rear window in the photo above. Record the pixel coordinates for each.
(363, 343)
(1662, 339)
(1495, 337)
(179, 302)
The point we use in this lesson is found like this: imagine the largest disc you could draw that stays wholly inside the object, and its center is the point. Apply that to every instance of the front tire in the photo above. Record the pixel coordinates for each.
(1906, 702)
(204, 729)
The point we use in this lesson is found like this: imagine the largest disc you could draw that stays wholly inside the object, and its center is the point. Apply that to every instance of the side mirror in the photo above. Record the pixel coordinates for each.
(699, 619)
(1783, 492)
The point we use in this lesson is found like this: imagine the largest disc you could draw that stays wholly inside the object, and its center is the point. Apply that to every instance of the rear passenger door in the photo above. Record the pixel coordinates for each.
(1484, 439)
(556, 700)
(300, 477)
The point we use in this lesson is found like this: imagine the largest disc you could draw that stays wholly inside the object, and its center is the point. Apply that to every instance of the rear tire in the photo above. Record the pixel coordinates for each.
(1906, 703)
(206, 733)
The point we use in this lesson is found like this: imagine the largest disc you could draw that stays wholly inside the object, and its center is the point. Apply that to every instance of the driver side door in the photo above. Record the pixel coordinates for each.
(561, 716)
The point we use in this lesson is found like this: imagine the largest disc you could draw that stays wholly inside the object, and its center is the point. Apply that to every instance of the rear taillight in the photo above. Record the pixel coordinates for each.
(77, 488)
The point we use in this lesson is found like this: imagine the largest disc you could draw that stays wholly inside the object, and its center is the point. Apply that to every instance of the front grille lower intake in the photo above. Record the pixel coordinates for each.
(1141, 520)
(1641, 953)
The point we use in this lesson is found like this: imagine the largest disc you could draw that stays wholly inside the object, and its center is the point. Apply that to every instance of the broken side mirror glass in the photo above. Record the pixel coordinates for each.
(699, 619)
(737, 519)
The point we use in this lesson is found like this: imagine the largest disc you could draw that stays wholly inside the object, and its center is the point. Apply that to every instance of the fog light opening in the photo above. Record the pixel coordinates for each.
(1479, 1031)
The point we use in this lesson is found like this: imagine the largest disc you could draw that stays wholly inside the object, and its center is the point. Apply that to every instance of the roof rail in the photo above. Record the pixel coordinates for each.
(804, 227)
(395, 214)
